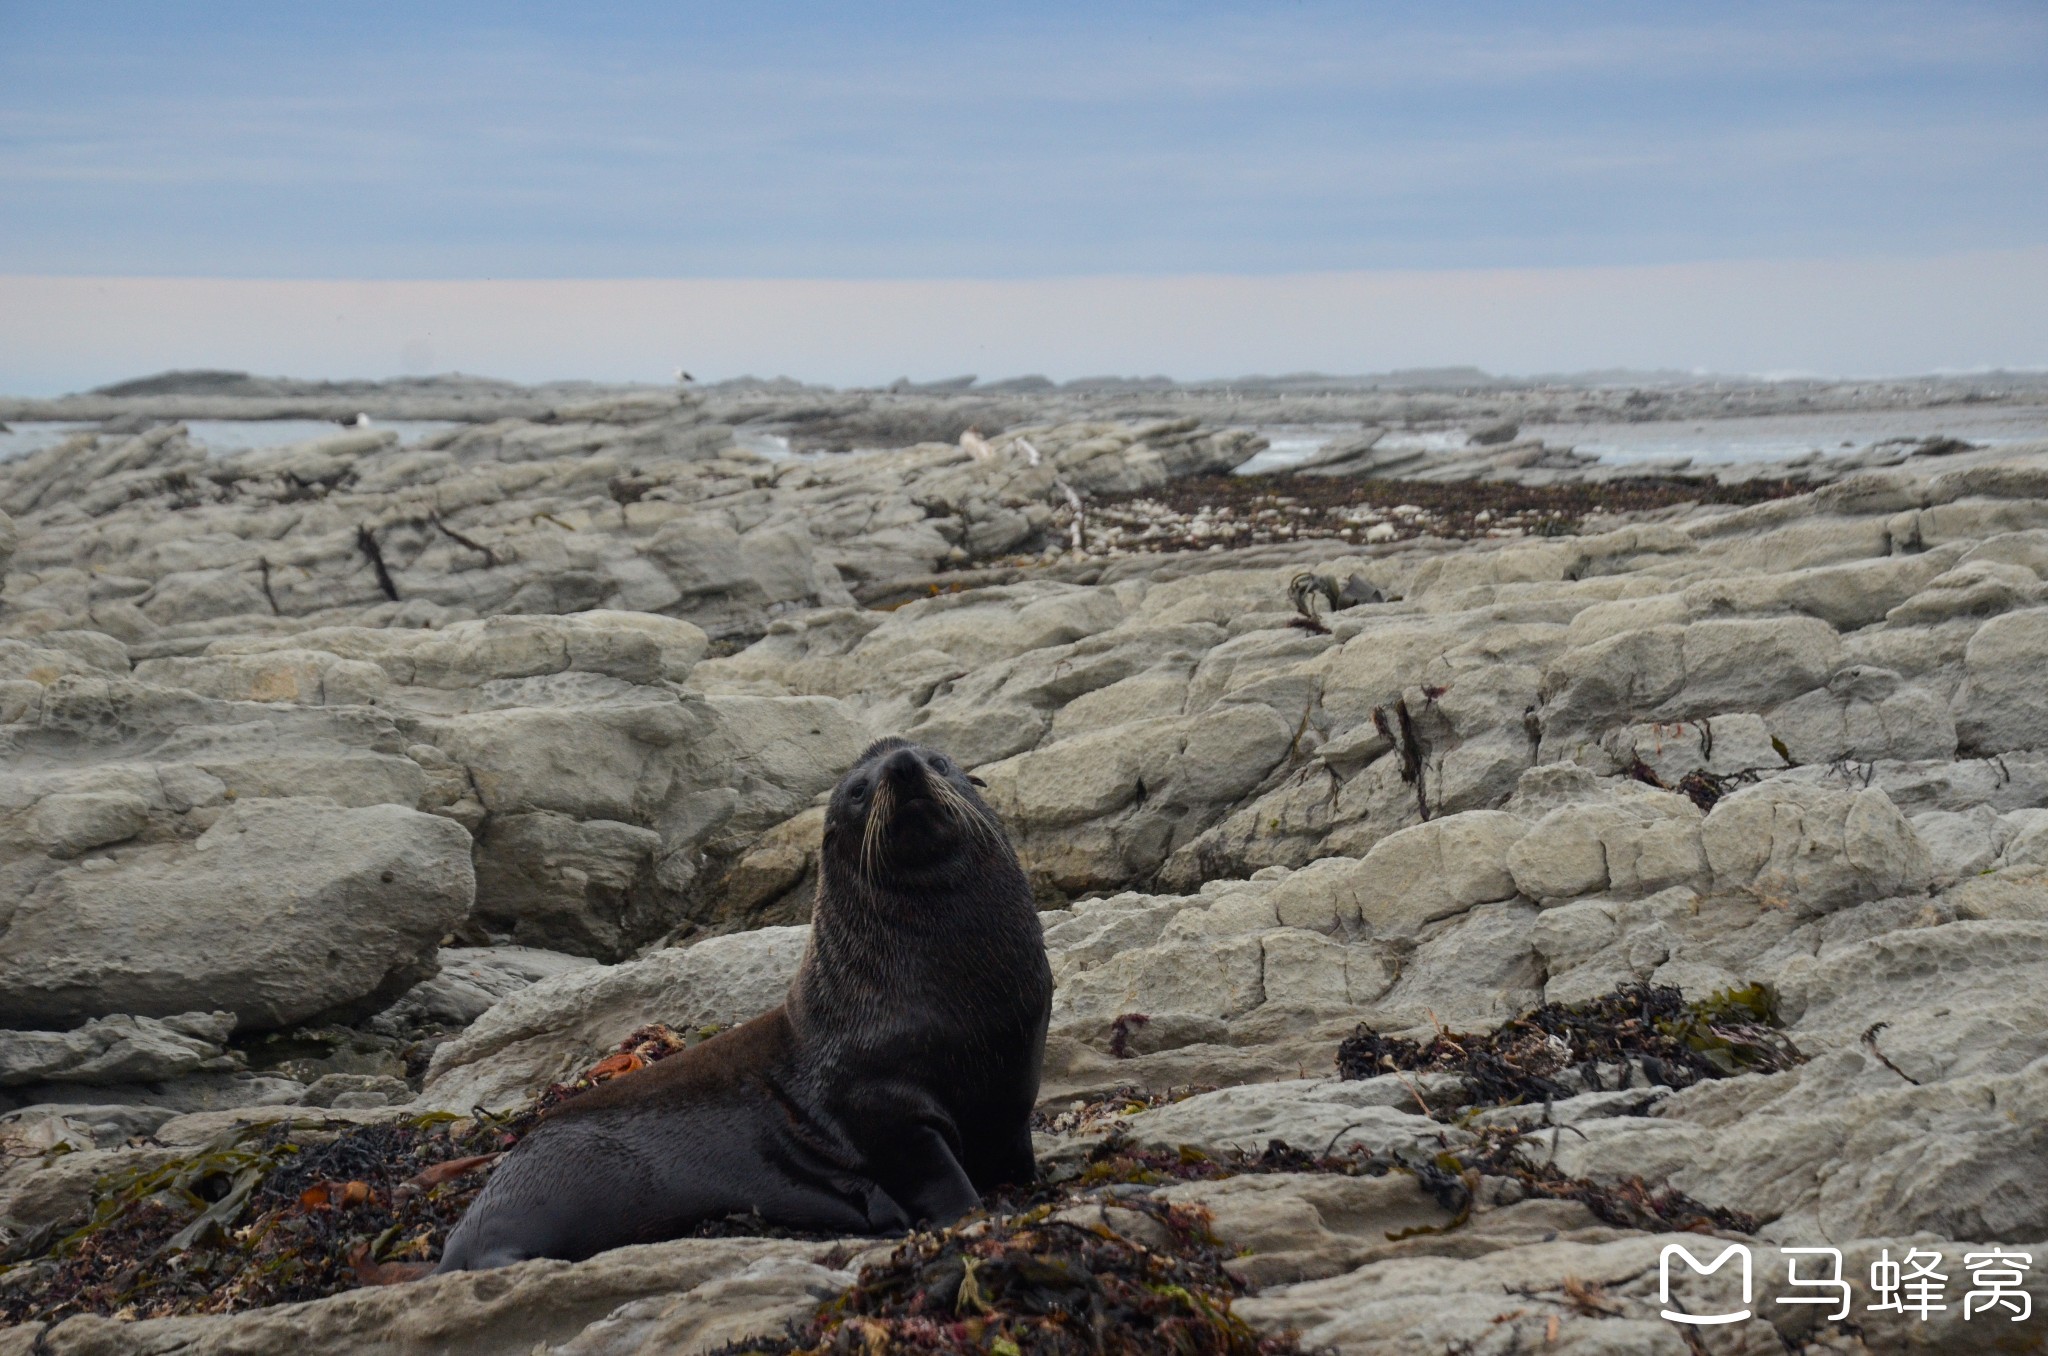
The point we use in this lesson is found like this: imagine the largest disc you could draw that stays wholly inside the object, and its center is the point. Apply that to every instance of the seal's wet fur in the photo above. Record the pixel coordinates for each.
(892, 1087)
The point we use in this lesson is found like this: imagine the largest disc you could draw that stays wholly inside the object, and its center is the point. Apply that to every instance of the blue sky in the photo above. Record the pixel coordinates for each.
(597, 140)
(850, 193)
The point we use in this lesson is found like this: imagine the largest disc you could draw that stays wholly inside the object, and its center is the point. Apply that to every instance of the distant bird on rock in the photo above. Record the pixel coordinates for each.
(976, 446)
(354, 420)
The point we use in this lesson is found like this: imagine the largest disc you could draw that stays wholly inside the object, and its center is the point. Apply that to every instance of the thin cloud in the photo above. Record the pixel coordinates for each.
(1006, 142)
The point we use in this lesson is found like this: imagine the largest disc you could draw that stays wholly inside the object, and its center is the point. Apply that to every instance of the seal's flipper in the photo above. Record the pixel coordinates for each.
(922, 1172)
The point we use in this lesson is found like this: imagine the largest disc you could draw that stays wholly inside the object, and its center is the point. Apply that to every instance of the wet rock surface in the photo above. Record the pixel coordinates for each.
(355, 783)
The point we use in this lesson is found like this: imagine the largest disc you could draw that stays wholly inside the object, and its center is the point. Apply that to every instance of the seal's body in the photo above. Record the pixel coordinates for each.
(893, 1087)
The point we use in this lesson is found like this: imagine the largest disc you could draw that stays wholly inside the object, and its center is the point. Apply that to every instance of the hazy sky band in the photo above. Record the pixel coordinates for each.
(1043, 140)
(1872, 317)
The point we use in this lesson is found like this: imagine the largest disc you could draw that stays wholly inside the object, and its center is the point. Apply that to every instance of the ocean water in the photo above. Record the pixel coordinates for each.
(218, 436)
(21, 439)
(1778, 437)
(1291, 447)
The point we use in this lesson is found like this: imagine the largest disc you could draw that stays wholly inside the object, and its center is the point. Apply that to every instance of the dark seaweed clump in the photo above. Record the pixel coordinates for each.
(1643, 1028)
(1033, 1285)
(266, 1215)
(1024, 1282)
(303, 1209)
(1198, 512)
(1452, 1176)
(293, 1210)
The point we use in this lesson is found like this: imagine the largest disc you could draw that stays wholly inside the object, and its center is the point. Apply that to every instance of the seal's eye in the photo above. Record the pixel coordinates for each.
(859, 792)
(940, 765)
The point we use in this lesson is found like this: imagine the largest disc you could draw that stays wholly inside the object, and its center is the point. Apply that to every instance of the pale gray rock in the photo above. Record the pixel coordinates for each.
(2026, 841)
(1721, 746)
(68, 824)
(2006, 782)
(554, 1028)
(1673, 672)
(1960, 843)
(2003, 704)
(2029, 548)
(1635, 846)
(1213, 977)
(470, 980)
(1813, 845)
(1959, 999)
(356, 1092)
(282, 911)
(306, 677)
(1290, 1227)
(1149, 724)
(705, 1291)
(1979, 588)
(760, 1300)
(1433, 871)
(1529, 1290)
(119, 1049)
(555, 882)
(66, 1128)
(1845, 596)
(1378, 1113)
(1478, 971)
(92, 647)
(203, 595)
(1112, 806)
(1866, 713)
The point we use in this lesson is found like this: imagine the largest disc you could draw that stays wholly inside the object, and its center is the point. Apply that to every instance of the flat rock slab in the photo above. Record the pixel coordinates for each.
(735, 1287)
(282, 911)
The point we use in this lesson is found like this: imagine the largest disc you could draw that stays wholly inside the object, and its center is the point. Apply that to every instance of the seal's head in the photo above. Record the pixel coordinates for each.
(906, 810)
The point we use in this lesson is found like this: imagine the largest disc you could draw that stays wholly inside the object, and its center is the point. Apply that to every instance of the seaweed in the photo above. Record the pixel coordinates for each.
(313, 1207)
(1559, 1049)
(1201, 512)
(1037, 1275)
(265, 1215)
(366, 542)
(290, 1211)
(1039, 1285)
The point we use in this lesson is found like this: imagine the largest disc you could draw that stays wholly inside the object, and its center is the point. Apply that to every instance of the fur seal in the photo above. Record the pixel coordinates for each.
(893, 1086)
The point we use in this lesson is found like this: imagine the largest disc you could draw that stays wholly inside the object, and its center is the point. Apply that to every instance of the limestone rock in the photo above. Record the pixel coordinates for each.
(1380, 1113)
(1476, 972)
(696, 1292)
(1865, 712)
(280, 912)
(307, 677)
(1960, 843)
(2003, 705)
(1817, 847)
(1432, 871)
(1638, 845)
(554, 1028)
(470, 980)
(69, 824)
(1722, 746)
(118, 1049)
(568, 885)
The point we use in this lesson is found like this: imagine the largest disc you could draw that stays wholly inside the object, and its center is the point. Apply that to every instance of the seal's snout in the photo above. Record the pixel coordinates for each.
(905, 773)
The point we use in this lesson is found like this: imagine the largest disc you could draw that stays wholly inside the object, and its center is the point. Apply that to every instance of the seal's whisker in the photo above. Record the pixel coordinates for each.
(879, 810)
(963, 810)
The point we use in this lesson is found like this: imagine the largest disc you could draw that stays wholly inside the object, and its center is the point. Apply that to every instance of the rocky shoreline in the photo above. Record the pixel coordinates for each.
(355, 781)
